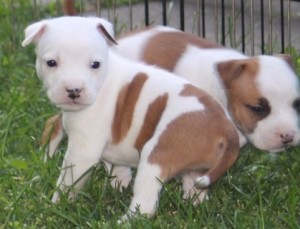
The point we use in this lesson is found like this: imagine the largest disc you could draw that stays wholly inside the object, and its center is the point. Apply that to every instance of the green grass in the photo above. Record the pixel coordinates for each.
(260, 191)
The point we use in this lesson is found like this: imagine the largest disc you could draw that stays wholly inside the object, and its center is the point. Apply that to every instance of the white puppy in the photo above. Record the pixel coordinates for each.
(126, 113)
(261, 93)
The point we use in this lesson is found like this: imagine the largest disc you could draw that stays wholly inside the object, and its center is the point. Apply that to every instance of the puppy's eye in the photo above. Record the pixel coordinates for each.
(257, 109)
(51, 63)
(262, 108)
(95, 64)
(296, 105)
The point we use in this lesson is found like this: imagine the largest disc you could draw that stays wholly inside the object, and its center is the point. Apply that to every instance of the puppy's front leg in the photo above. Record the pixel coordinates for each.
(147, 187)
(78, 160)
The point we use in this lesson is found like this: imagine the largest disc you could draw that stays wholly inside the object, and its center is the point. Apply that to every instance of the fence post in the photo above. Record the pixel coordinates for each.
(146, 2)
(223, 22)
(262, 26)
(243, 25)
(181, 15)
(252, 27)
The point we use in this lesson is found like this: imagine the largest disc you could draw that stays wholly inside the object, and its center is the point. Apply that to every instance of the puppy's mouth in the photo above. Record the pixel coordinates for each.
(72, 105)
(279, 148)
(276, 150)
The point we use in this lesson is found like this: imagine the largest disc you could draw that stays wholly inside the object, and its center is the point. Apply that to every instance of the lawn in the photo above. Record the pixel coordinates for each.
(260, 191)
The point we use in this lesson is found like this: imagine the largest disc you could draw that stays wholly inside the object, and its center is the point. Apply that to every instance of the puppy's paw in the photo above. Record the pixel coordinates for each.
(126, 218)
(121, 181)
(196, 195)
(120, 176)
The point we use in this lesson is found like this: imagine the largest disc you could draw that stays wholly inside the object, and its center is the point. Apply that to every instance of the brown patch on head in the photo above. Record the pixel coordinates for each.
(125, 107)
(165, 48)
(245, 103)
(52, 128)
(199, 140)
(153, 115)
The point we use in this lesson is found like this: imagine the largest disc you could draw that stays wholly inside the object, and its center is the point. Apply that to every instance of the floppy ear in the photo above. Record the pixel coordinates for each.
(230, 70)
(106, 29)
(33, 32)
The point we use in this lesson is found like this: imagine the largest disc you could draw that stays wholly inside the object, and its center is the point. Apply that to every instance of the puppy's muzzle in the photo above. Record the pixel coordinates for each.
(73, 93)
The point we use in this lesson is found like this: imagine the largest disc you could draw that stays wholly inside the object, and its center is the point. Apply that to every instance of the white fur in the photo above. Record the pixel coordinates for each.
(202, 182)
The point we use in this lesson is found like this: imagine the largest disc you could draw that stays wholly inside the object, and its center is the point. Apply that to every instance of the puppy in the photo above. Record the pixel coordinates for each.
(261, 93)
(127, 113)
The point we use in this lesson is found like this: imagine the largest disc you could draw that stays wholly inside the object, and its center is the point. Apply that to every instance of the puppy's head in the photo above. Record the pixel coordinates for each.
(71, 58)
(264, 100)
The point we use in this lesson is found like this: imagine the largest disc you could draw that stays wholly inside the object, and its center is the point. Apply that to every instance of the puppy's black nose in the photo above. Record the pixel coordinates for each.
(287, 138)
(74, 93)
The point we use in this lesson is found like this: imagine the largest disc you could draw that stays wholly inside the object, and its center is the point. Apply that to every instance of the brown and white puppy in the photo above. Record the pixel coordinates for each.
(261, 93)
(127, 113)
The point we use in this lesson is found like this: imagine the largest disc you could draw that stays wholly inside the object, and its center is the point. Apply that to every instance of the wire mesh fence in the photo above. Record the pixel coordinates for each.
(252, 26)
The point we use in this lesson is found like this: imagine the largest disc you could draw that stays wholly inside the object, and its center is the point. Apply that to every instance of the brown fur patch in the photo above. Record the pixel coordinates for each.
(165, 48)
(125, 107)
(196, 140)
(203, 97)
(153, 115)
(243, 95)
(52, 128)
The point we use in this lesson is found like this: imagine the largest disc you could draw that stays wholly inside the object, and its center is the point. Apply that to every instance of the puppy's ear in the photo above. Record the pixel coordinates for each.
(230, 70)
(33, 32)
(107, 30)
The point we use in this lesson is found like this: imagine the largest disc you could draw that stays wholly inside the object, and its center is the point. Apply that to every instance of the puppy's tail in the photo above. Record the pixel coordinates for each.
(227, 151)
